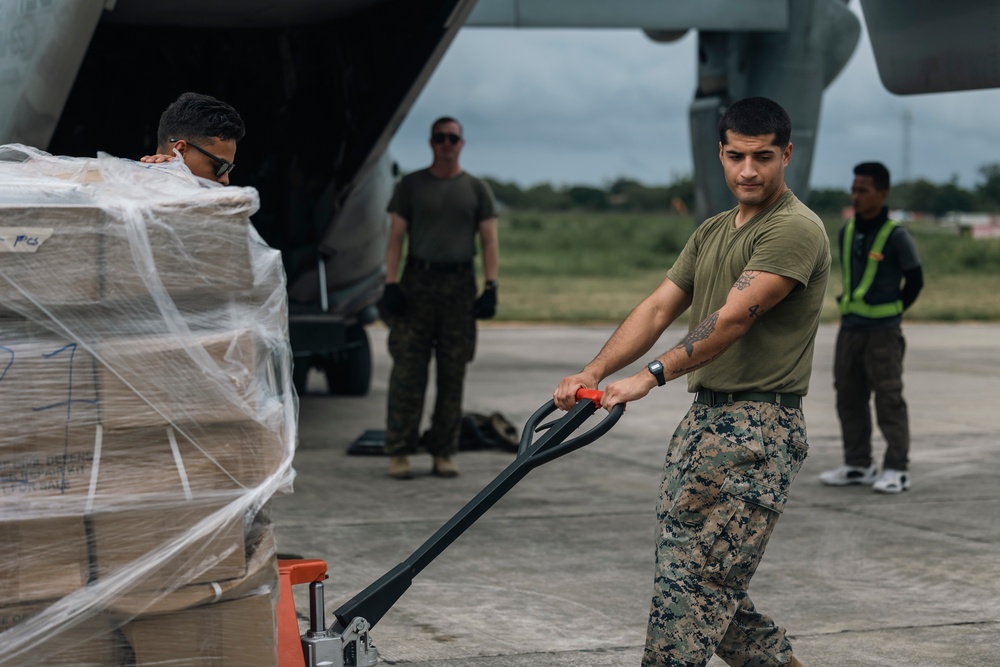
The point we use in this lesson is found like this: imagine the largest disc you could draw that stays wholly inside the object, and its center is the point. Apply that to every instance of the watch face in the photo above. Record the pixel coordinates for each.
(656, 368)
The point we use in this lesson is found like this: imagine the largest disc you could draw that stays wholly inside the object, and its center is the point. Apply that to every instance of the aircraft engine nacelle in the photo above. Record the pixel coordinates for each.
(792, 67)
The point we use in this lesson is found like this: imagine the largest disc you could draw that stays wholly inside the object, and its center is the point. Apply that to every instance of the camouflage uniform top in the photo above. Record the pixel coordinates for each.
(442, 214)
(787, 239)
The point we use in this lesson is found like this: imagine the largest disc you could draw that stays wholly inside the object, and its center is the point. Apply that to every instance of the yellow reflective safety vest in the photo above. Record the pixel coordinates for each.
(852, 302)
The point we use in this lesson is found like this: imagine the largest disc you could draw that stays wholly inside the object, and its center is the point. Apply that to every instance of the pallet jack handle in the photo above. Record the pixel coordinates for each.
(594, 397)
(372, 603)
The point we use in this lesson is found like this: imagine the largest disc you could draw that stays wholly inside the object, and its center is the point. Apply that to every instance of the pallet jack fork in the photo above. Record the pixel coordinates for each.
(347, 642)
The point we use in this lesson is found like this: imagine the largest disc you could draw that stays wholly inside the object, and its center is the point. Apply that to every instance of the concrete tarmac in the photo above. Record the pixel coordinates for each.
(559, 572)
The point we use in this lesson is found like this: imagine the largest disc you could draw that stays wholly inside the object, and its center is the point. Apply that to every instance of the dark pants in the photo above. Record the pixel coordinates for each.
(438, 321)
(866, 362)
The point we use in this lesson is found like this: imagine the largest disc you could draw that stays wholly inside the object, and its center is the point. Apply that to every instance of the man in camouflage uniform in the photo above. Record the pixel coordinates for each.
(754, 278)
(433, 307)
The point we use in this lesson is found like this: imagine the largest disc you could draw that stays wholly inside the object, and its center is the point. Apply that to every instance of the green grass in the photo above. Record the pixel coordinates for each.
(579, 267)
(583, 267)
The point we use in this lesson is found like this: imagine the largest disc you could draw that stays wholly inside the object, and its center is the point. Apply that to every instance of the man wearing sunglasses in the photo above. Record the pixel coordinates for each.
(432, 306)
(204, 131)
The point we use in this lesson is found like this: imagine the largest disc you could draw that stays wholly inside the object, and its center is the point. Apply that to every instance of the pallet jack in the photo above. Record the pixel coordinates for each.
(347, 642)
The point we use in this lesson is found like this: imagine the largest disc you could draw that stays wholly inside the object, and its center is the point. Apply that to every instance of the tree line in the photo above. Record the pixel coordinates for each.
(626, 194)
(623, 194)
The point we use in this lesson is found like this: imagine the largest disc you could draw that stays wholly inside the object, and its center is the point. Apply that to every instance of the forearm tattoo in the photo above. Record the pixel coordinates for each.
(743, 281)
(756, 312)
(699, 333)
(688, 369)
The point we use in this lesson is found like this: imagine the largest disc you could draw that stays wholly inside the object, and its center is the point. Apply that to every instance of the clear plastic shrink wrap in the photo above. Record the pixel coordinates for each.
(148, 416)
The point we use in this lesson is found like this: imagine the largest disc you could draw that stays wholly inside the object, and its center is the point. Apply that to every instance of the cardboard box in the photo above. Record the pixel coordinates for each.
(147, 381)
(42, 558)
(47, 383)
(92, 642)
(155, 549)
(164, 548)
(261, 577)
(239, 633)
(74, 255)
(91, 468)
(190, 250)
(51, 383)
(50, 254)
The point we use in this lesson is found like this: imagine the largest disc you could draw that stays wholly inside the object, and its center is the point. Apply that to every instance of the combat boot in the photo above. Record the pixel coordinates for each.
(793, 662)
(399, 467)
(444, 466)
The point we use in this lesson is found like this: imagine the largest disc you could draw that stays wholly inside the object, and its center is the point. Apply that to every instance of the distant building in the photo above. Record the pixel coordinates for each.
(976, 225)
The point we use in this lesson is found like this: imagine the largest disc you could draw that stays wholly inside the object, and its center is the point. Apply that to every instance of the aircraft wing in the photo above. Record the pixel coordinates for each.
(929, 46)
(658, 15)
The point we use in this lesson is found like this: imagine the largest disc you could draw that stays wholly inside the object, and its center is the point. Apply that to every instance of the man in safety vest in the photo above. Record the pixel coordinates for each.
(882, 278)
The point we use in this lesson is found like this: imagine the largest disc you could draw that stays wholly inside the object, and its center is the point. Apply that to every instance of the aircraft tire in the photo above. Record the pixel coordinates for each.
(300, 375)
(350, 372)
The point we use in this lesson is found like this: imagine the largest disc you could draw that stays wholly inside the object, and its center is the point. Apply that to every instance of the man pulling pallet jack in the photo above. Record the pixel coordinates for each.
(754, 279)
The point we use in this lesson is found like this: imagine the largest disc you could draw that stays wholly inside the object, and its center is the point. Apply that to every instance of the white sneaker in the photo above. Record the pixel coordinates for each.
(846, 474)
(892, 481)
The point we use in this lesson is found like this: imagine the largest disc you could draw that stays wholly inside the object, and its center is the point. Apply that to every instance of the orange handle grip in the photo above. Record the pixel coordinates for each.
(592, 394)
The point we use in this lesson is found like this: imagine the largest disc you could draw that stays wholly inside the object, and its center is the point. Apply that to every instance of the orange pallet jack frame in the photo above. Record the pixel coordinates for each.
(293, 572)
(347, 642)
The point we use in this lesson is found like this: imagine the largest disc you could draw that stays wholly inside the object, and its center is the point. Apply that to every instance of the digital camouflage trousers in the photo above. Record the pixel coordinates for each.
(725, 482)
(438, 322)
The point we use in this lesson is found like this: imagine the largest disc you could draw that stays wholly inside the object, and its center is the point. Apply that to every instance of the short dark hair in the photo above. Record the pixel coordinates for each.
(756, 117)
(194, 116)
(447, 119)
(878, 173)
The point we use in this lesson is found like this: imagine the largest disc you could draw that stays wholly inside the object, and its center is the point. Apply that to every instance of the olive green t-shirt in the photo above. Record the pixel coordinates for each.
(442, 214)
(787, 239)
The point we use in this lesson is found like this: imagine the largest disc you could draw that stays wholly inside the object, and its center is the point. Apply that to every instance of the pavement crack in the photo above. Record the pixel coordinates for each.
(894, 628)
(904, 524)
(487, 659)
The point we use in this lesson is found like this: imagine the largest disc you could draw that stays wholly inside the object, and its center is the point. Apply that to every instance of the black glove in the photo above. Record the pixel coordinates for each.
(486, 304)
(393, 300)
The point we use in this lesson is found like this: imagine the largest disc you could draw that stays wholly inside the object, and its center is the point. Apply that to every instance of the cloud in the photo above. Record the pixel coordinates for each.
(588, 106)
(562, 106)
(949, 133)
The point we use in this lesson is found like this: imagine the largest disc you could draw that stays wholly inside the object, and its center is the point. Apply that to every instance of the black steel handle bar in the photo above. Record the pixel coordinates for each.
(552, 450)
(373, 602)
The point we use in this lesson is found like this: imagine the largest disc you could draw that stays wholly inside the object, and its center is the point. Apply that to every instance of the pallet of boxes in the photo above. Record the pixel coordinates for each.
(145, 380)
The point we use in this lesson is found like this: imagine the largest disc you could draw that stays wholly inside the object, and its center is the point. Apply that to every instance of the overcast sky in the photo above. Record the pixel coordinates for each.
(589, 106)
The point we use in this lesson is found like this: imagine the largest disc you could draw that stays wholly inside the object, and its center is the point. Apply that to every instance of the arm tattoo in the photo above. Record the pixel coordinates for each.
(756, 312)
(743, 281)
(699, 333)
(683, 371)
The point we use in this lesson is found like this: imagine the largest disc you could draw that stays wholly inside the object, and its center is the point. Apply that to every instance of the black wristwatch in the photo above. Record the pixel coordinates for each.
(656, 368)
(490, 284)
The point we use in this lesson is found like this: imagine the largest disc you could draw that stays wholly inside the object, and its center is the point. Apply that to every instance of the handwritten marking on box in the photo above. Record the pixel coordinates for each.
(23, 239)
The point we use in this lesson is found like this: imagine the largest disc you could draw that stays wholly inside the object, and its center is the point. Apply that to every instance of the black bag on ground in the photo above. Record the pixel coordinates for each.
(487, 432)
(477, 432)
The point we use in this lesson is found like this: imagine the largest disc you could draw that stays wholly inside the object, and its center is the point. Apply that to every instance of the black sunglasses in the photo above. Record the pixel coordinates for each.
(224, 166)
(441, 137)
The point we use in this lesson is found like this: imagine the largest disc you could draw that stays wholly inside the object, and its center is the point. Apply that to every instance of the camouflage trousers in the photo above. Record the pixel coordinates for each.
(438, 321)
(725, 482)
